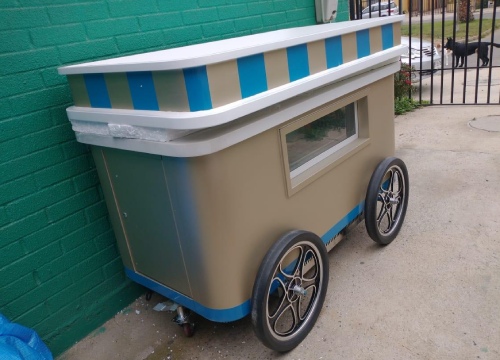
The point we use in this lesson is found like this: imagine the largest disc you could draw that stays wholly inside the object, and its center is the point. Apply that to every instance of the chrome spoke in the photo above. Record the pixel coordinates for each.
(312, 290)
(382, 213)
(314, 268)
(300, 262)
(291, 329)
(282, 300)
(391, 180)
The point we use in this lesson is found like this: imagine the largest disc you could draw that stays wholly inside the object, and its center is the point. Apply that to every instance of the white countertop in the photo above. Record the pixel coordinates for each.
(223, 50)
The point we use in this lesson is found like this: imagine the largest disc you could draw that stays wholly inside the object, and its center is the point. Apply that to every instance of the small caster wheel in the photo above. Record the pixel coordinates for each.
(148, 295)
(182, 319)
(188, 329)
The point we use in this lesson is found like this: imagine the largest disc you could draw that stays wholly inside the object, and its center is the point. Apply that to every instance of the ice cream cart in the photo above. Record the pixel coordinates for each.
(230, 168)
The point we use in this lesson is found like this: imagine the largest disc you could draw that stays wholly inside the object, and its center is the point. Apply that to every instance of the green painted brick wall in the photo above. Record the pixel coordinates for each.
(60, 272)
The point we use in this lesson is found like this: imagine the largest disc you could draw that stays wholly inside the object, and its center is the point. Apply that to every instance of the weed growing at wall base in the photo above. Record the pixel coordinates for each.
(403, 89)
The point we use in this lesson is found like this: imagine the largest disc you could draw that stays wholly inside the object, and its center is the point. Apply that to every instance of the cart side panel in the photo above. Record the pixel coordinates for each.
(244, 206)
(143, 216)
(184, 204)
(98, 155)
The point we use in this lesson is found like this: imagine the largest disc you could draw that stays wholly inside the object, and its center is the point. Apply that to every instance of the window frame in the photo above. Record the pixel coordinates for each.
(323, 155)
(327, 160)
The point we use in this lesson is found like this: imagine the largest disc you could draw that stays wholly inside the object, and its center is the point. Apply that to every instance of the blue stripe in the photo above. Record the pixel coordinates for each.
(198, 91)
(219, 315)
(142, 90)
(97, 90)
(333, 49)
(387, 36)
(363, 43)
(252, 74)
(298, 62)
(346, 220)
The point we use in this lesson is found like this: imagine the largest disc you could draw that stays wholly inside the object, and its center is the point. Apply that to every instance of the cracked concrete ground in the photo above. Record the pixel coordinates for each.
(434, 293)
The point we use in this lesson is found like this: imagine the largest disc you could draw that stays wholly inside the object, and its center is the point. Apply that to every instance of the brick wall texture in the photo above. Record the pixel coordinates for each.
(60, 272)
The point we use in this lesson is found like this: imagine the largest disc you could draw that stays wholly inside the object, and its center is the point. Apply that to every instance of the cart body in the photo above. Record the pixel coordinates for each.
(191, 148)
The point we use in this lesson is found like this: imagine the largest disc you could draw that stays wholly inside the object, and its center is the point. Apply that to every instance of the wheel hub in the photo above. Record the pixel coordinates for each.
(299, 290)
(295, 289)
(393, 200)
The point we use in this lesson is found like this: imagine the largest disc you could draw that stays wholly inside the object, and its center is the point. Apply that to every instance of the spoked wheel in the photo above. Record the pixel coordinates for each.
(387, 200)
(289, 290)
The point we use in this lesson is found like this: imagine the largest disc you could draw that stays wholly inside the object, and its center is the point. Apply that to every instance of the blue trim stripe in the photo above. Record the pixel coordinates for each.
(387, 36)
(333, 49)
(346, 220)
(298, 62)
(252, 75)
(97, 90)
(363, 43)
(142, 90)
(219, 315)
(197, 87)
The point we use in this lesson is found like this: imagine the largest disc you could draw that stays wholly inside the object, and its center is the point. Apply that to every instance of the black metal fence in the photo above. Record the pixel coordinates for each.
(439, 72)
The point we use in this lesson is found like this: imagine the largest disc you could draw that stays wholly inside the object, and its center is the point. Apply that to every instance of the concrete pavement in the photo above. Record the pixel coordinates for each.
(431, 294)
(460, 86)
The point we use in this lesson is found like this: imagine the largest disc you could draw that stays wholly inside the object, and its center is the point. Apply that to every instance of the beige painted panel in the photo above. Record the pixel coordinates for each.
(224, 83)
(244, 208)
(396, 30)
(349, 47)
(375, 40)
(171, 90)
(78, 90)
(317, 56)
(118, 90)
(276, 68)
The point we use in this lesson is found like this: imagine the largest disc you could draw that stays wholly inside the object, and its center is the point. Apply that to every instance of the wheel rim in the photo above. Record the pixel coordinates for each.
(293, 290)
(390, 200)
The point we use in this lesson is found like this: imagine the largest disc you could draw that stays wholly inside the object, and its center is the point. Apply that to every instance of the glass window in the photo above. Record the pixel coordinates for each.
(313, 142)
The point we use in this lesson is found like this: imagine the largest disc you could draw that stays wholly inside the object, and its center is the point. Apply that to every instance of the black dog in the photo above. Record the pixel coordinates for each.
(460, 51)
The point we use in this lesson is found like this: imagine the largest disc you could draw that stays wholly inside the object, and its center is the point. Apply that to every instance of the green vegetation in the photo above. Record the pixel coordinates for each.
(427, 29)
(403, 89)
(404, 105)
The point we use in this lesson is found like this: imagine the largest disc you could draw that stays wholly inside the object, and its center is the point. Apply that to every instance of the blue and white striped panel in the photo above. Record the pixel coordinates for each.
(142, 90)
(97, 90)
(252, 75)
(298, 62)
(198, 90)
(214, 85)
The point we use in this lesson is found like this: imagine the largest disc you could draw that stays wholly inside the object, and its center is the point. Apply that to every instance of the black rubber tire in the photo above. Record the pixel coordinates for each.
(310, 251)
(385, 208)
